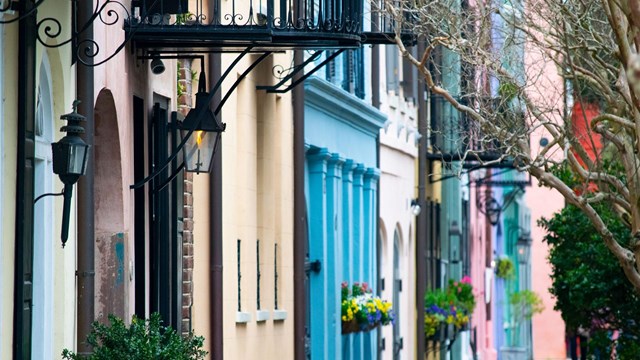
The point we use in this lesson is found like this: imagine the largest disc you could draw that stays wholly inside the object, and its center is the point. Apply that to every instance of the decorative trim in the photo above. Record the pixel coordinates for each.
(343, 106)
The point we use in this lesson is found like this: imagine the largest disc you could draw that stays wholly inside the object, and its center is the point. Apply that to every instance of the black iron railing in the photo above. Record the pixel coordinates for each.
(162, 24)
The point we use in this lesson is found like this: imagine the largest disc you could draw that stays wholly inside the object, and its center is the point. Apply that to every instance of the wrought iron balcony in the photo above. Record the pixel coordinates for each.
(262, 25)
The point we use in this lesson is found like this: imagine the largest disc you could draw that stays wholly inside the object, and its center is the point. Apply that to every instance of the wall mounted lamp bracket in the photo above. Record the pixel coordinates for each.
(70, 156)
(491, 207)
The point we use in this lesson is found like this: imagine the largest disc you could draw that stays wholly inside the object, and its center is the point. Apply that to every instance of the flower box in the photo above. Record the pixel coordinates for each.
(349, 327)
(448, 312)
(361, 311)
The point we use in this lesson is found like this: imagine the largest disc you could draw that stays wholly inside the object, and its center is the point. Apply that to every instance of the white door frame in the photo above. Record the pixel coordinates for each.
(42, 324)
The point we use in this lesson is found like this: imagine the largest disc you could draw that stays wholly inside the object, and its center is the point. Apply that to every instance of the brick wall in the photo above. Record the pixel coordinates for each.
(185, 101)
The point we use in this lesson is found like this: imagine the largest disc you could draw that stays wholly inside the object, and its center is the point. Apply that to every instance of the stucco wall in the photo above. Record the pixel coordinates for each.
(257, 205)
(397, 188)
(398, 153)
(58, 300)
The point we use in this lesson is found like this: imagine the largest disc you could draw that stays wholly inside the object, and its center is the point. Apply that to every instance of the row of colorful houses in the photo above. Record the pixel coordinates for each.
(339, 179)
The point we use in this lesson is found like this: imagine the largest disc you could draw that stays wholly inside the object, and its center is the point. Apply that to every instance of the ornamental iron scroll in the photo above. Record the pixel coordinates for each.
(50, 30)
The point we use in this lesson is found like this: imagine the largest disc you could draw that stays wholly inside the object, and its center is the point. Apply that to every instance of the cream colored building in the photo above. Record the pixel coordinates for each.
(398, 187)
(258, 217)
(53, 267)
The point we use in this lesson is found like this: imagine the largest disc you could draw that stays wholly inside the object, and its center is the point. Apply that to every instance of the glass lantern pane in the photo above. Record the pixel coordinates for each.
(76, 159)
(198, 151)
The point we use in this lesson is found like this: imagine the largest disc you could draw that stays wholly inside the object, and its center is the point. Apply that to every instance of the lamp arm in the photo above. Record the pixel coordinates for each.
(170, 179)
(48, 194)
(214, 89)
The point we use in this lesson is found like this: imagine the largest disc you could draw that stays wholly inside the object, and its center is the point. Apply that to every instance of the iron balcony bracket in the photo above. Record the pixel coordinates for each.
(275, 88)
(292, 72)
(214, 89)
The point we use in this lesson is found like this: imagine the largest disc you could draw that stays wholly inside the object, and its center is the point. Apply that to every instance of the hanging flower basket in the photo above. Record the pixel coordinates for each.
(504, 268)
(349, 327)
(361, 311)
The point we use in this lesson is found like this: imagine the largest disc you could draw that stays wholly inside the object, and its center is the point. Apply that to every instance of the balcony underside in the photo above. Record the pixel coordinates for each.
(225, 38)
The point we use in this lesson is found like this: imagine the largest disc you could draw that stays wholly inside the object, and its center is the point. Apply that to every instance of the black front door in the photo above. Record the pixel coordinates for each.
(165, 194)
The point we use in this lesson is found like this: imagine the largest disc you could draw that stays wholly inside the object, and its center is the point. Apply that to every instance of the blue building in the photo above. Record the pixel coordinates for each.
(341, 185)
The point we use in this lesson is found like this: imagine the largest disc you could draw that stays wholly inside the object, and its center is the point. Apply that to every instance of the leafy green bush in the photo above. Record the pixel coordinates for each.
(590, 288)
(504, 268)
(525, 304)
(143, 340)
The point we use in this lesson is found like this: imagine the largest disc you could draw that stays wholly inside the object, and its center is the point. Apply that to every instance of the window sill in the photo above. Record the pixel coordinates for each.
(262, 315)
(242, 317)
(279, 315)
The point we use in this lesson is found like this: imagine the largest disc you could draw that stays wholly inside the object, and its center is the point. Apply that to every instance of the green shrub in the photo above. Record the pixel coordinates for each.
(505, 268)
(143, 340)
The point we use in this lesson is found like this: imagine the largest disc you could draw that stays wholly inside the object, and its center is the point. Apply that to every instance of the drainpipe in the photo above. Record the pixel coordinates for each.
(300, 218)
(421, 227)
(23, 293)
(375, 102)
(375, 76)
(215, 232)
(86, 226)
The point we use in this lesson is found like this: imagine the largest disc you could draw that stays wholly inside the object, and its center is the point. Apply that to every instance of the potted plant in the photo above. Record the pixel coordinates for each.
(361, 310)
(505, 268)
(142, 340)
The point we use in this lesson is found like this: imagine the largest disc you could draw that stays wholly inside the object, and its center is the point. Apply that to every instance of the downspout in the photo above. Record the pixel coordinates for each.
(375, 101)
(375, 76)
(421, 226)
(300, 218)
(215, 221)
(86, 226)
(23, 294)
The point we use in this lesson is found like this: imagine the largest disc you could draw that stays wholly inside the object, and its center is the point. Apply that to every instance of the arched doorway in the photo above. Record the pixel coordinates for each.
(110, 238)
(397, 289)
(43, 230)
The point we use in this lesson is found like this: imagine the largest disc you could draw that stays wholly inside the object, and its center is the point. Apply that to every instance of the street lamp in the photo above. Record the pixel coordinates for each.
(523, 245)
(70, 161)
(415, 207)
(206, 129)
(489, 205)
(492, 210)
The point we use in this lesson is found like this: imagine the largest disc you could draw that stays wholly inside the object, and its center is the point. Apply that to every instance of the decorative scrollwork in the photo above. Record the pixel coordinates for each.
(329, 25)
(49, 29)
(87, 49)
(234, 19)
(278, 24)
(280, 72)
